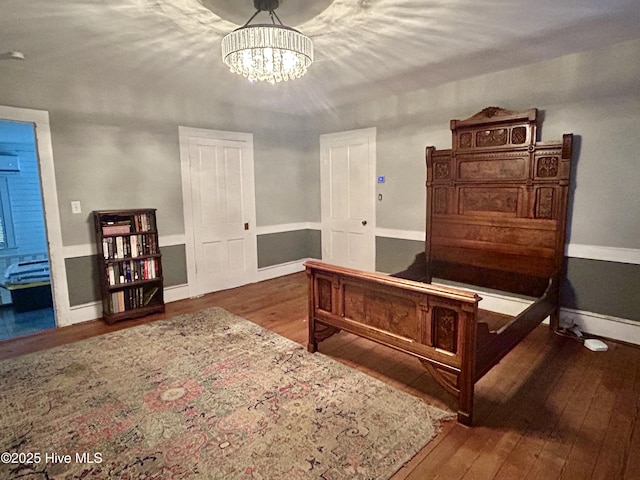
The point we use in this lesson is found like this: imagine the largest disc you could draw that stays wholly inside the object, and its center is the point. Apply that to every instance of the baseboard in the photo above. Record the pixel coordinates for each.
(175, 293)
(606, 254)
(93, 310)
(274, 271)
(496, 302)
(600, 325)
(82, 313)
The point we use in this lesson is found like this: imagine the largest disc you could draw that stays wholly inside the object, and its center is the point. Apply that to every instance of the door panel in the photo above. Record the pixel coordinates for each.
(222, 202)
(348, 208)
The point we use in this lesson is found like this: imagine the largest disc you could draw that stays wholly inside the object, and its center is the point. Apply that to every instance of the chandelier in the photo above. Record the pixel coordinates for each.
(267, 52)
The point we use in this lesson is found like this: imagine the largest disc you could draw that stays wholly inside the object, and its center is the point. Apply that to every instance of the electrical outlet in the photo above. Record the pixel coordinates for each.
(76, 207)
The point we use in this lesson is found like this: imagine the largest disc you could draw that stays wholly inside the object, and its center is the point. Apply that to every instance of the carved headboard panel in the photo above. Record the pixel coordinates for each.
(497, 203)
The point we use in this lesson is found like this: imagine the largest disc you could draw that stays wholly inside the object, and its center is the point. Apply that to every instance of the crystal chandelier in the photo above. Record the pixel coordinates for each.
(267, 52)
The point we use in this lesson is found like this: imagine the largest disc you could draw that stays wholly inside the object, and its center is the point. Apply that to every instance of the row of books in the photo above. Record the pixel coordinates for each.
(141, 222)
(144, 222)
(129, 246)
(131, 298)
(132, 271)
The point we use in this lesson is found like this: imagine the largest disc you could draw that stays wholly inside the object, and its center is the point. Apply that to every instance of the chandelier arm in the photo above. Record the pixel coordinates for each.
(274, 14)
(252, 17)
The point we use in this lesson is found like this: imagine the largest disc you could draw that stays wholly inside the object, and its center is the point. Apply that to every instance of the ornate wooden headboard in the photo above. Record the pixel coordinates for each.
(497, 203)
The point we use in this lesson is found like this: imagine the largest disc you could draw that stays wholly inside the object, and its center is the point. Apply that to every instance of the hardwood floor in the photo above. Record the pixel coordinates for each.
(552, 409)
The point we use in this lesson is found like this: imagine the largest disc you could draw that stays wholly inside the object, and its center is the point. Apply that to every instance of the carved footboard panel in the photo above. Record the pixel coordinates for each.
(435, 324)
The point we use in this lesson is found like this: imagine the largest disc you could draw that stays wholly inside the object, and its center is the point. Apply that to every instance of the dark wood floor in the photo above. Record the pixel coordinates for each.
(550, 410)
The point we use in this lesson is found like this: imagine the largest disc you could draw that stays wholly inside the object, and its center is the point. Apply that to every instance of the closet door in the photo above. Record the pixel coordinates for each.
(348, 198)
(220, 211)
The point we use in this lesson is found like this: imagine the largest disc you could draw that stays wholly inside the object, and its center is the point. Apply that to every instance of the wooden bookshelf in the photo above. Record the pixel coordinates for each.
(129, 263)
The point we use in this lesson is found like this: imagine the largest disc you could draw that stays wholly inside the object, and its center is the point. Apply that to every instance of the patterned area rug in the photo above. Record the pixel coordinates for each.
(202, 396)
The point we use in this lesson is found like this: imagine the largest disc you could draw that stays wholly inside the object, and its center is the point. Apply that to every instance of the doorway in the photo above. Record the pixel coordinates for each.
(347, 178)
(26, 303)
(219, 209)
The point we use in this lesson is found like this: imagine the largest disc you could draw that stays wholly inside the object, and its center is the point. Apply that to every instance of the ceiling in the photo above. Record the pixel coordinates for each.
(364, 48)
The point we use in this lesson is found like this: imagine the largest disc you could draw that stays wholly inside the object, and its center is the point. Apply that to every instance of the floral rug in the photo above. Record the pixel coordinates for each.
(202, 396)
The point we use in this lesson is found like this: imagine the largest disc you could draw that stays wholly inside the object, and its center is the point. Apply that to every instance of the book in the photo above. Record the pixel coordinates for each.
(119, 248)
(116, 228)
(149, 295)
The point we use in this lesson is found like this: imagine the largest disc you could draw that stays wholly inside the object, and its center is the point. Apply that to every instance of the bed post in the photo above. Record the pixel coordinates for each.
(567, 155)
(429, 182)
(318, 330)
(467, 378)
(312, 342)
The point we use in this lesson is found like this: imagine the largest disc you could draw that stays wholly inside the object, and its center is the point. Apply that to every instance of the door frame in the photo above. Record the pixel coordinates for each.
(184, 133)
(343, 139)
(44, 152)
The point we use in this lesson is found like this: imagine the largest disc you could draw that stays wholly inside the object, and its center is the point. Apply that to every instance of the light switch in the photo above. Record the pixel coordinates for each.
(75, 206)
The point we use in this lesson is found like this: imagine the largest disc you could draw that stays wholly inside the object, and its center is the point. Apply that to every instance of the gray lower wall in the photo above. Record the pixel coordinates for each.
(273, 249)
(607, 288)
(283, 247)
(394, 254)
(174, 265)
(83, 278)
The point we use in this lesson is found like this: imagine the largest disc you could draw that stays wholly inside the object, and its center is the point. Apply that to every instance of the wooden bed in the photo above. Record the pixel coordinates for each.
(496, 218)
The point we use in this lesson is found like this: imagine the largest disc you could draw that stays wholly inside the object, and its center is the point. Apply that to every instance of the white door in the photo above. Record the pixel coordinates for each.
(347, 175)
(219, 207)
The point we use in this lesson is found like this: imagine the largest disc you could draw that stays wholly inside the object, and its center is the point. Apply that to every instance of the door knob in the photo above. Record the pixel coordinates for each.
(364, 222)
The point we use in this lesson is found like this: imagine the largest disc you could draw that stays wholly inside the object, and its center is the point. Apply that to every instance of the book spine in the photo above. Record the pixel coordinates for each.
(119, 248)
(121, 301)
(111, 274)
(134, 246)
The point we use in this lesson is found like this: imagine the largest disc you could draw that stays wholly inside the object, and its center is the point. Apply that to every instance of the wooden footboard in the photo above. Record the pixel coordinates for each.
(435, 324)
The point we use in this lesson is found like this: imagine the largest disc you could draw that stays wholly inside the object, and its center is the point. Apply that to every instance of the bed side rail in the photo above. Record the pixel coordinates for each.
(492, 352)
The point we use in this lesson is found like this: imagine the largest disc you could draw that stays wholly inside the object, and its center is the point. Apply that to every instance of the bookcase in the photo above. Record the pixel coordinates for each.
(129, 263)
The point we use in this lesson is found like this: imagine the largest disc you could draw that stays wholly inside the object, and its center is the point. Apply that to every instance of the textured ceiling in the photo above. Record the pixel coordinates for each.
(364, 48)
